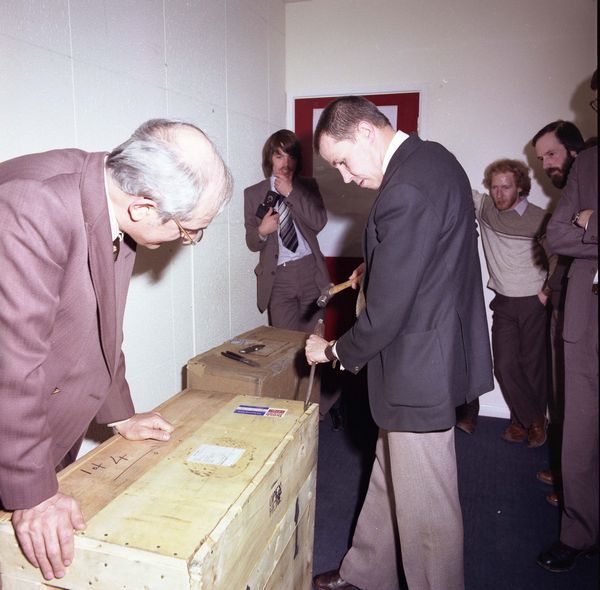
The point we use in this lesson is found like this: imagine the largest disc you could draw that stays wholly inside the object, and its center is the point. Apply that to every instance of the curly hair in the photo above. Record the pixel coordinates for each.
(519, 170)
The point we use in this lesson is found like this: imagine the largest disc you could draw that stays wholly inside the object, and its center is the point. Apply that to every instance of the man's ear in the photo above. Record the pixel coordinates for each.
(573, 153)
(140, 207)
(366, 130)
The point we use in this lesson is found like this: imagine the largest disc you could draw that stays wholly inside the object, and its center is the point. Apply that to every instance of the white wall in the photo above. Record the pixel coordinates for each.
(490, 73)
(86, 73)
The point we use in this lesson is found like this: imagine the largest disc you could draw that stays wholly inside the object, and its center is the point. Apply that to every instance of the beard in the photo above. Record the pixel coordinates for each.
(558, 176)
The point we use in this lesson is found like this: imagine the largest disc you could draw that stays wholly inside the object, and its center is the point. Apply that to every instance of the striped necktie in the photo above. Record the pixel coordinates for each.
(287, 231)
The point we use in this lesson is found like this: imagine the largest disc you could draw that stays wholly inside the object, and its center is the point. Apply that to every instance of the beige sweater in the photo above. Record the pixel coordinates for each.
(516, 260)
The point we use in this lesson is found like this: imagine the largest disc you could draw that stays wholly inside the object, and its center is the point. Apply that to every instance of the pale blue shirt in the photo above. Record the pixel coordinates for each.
(521, 206)
(303, 248)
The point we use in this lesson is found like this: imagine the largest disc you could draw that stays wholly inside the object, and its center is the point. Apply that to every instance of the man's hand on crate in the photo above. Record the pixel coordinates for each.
(45, 533)
(143, 426)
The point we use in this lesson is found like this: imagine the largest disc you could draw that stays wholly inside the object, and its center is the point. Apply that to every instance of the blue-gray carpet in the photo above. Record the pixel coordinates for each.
(507, 518)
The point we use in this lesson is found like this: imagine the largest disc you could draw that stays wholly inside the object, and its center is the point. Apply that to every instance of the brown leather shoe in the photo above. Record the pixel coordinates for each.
(548, 477)
(467, 425)
(536, 433)
(552, 499)
(515, 433)
(332, 581)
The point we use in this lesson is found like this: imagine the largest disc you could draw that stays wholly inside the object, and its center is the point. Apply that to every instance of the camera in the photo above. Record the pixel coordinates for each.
(271, 200)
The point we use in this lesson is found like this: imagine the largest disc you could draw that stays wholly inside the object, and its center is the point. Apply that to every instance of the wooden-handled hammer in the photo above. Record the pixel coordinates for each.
(328, 292)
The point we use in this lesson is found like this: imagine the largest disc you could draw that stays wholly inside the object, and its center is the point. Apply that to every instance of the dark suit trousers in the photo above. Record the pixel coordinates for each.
(579, 523)
(293, 303)
(519, 349)
(557, 400)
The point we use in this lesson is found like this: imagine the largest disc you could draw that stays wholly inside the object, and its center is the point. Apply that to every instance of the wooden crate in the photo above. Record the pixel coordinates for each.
(283, 370)
(227, 503)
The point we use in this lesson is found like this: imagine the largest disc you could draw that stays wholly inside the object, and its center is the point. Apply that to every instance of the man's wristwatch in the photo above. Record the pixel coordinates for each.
(575, 218)
(329, 351)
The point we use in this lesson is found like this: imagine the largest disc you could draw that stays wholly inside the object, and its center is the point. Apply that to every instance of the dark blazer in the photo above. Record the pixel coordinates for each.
(309, 213)
(423, 333)
(62, 300)
(567, 239)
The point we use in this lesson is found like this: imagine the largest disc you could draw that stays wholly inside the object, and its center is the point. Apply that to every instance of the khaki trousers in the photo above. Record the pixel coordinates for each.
(411, 519)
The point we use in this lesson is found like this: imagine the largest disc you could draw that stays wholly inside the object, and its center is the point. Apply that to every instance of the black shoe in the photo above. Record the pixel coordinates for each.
(560, 557)
(331, 581)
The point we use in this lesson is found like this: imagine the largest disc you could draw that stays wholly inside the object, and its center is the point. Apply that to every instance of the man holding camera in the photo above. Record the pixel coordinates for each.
(283, 215)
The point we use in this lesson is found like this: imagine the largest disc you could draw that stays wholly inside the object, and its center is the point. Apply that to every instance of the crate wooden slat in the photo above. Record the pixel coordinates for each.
(282, 372)
(157, 519)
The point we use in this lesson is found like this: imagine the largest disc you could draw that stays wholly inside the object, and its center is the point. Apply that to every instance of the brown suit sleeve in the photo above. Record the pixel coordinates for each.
(307, 205)
(253, 197)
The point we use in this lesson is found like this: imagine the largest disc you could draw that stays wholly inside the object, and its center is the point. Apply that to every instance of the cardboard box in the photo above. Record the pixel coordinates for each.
(282, 372)
(228, 503)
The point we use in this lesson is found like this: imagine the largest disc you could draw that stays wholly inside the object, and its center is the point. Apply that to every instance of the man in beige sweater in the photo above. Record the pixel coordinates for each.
(512, 230)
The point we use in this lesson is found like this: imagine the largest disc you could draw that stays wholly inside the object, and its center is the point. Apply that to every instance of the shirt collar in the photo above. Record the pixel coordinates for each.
(112, 217)
(396, 142)
(521, 206)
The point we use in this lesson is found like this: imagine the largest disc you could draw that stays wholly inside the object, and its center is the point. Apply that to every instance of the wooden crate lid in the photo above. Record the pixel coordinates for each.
(167, 499)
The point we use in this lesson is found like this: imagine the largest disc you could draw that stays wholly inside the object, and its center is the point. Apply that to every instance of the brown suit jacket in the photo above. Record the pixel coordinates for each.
(309, 213)
(567, 239)
(62, 300)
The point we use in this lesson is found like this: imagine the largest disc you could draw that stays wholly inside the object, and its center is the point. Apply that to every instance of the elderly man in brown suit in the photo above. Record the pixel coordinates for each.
(283, 215)
(69, 224)
(573, 231)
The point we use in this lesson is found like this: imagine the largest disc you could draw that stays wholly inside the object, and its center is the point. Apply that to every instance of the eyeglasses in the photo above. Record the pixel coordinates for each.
(594, 104)
(186, 236)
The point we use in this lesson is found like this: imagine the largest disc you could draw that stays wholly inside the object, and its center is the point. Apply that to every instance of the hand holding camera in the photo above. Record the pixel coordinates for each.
(266, 213)
(269, 223)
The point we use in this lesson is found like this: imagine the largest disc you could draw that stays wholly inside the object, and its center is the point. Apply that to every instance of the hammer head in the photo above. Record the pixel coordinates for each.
(325, 296)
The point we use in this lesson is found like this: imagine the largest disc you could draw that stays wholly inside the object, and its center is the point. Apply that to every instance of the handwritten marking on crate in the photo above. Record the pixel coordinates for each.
(97, 465)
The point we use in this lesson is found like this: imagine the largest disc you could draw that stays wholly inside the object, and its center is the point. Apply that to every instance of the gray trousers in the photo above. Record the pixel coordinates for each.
(580, 476)
(293, 303)
(411, 519)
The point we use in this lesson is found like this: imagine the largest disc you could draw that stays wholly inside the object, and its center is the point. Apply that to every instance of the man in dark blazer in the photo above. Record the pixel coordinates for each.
(423, 335)
(573, 232)
(289, 280)
(69, 223)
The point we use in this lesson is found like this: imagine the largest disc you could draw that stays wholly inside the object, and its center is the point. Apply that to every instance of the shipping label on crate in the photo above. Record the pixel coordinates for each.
(216, 455)
(260, 411)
